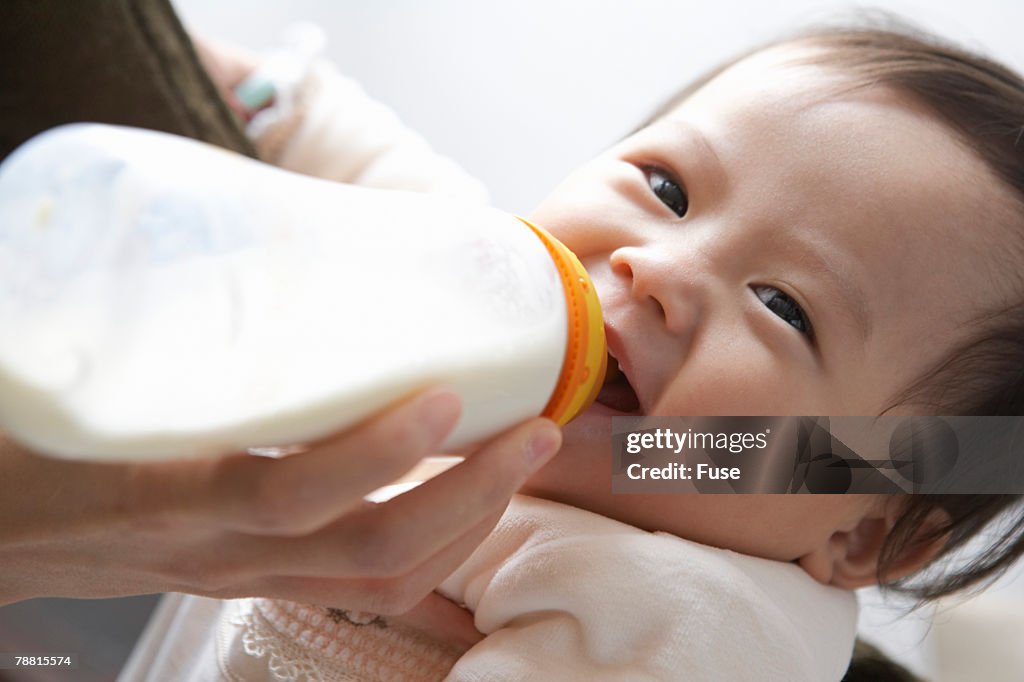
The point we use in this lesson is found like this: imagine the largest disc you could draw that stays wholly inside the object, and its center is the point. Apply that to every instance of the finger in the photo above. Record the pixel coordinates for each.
(389, 539)
(396, 595)
(461, 497)
(443, 619)
(300, 493)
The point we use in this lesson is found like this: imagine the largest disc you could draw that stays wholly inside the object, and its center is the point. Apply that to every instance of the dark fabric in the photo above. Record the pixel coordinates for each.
(871, 665)
(128, 62)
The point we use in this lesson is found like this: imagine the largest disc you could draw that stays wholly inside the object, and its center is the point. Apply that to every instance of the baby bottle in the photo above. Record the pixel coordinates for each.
(162, 298)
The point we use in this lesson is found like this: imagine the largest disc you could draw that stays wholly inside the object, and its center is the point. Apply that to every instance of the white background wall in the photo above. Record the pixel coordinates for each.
(521, 92)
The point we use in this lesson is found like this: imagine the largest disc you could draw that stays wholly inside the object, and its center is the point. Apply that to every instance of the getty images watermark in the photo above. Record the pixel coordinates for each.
(937, 455)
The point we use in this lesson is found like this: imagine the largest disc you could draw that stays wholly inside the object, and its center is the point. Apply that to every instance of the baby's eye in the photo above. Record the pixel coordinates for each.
(668, 190)
(786, 308)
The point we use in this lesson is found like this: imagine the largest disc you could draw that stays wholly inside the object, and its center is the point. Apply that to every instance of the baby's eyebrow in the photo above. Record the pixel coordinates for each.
(701, 140)
(841, 280)
(713, 168)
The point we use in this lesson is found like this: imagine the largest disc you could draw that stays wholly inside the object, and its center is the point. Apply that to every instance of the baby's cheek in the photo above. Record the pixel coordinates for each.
(736, 376)
(714, 388)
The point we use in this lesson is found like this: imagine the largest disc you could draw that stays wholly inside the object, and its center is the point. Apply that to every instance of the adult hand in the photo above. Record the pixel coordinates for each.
(294, 528)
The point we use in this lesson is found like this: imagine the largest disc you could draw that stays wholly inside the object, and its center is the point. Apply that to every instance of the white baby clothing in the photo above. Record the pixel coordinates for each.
(561, 594)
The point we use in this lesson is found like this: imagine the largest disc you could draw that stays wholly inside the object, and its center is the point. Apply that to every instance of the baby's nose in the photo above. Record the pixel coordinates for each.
(672, 292)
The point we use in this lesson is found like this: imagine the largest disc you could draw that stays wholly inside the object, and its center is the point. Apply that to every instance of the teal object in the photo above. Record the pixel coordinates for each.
(255, 93)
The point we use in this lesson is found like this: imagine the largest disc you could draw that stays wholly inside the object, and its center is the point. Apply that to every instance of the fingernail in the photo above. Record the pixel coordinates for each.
(543, 443)
(438, 411)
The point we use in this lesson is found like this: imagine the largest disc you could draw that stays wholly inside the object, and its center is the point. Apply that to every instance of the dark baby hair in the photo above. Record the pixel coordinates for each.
(982, 104)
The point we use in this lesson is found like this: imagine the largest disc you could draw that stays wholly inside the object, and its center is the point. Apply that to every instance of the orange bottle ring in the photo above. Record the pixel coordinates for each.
(586, 351)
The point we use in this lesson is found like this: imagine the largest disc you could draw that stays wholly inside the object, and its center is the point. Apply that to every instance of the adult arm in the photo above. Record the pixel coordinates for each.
(328, 126)
(295, 528)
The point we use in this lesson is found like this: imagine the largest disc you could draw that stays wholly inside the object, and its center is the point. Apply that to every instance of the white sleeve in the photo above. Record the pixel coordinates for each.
(563, 594)
(329, 127)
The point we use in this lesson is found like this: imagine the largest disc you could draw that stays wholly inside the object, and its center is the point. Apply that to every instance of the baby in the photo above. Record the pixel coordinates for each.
(829, 225)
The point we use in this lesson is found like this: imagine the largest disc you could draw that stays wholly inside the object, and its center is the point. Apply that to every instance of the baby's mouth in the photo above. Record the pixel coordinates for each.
(617, 393)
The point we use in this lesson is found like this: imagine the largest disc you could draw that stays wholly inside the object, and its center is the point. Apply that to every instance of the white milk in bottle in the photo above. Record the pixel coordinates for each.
(162, 298)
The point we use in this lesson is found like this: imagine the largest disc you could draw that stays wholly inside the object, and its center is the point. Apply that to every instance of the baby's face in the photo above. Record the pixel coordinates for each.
(771, 248)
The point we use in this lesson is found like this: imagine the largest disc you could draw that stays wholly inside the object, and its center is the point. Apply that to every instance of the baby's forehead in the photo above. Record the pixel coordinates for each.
(845, 115)
(789, 103)
(793, 76)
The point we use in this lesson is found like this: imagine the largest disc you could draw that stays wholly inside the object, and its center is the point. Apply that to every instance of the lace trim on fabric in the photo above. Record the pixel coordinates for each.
(303, 643)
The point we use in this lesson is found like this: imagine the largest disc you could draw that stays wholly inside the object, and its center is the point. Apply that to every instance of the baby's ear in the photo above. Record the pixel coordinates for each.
(851, 557)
